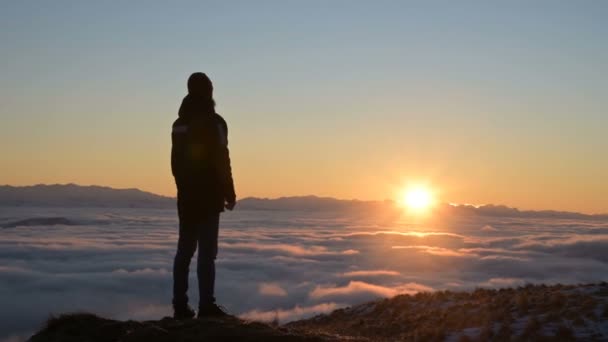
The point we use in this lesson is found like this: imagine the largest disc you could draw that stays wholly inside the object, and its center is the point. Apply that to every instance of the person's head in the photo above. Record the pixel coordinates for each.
(199, 84)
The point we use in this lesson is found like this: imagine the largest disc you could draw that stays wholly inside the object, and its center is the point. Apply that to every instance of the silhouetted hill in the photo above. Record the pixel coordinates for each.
(87, 327)
(314, 203)
(310, 203)
(72, 195)
(529, 313)
(504, 211)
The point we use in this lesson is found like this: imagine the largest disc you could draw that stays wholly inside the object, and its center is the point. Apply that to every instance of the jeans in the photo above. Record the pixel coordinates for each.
(204, 234)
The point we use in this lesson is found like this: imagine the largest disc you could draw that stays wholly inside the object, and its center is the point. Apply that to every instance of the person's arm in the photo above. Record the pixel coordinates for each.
(225, 167)
(178, 134)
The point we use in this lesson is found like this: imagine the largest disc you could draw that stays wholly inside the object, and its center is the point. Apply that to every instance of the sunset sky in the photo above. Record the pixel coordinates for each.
(482, 101)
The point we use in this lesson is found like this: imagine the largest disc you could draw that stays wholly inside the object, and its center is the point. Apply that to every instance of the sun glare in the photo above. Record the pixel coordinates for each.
(417, 198)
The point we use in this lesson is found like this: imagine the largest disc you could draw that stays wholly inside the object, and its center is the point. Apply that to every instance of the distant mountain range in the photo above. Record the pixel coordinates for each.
(73, 195)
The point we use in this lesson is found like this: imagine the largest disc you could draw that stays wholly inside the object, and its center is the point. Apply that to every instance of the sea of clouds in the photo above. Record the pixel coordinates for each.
(276, 264)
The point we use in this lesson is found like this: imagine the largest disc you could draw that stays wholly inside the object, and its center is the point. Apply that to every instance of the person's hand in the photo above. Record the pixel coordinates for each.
(230, 205)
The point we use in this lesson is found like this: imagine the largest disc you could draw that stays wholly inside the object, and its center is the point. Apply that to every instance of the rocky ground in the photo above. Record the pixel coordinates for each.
(83, 327)
(528, 313)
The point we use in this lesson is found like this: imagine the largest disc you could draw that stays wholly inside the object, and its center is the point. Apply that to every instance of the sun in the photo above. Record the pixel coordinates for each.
(417, 198)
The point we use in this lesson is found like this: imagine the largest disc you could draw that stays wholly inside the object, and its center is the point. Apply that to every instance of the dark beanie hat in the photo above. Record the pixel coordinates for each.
(199, 83)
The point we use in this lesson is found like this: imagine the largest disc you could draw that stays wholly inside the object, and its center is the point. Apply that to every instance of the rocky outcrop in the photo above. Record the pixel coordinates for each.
(91, 328)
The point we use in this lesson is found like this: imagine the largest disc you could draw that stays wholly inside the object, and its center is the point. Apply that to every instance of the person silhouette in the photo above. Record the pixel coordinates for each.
(200, 163)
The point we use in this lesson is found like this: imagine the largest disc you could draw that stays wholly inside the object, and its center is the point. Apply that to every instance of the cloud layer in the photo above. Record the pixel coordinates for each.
(285, 265)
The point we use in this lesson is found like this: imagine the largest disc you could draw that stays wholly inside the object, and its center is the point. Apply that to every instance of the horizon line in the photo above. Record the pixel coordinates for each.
(452, 204)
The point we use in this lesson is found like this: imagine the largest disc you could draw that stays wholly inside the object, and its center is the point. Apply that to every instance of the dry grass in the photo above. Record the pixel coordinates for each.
(531, 312)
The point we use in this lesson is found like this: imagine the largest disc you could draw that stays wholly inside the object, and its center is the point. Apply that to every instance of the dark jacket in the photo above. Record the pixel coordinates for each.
(200, 160)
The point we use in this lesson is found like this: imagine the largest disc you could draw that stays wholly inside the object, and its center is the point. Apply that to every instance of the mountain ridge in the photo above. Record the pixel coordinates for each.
(74, 195)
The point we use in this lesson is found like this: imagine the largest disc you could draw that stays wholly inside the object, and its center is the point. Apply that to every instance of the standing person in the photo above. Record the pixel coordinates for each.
(200, 163)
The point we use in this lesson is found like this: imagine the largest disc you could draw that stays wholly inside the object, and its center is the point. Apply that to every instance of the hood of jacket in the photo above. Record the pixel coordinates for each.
(193, 105)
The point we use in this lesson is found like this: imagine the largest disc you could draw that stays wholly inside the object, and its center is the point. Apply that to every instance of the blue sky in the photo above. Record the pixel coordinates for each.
(490, 102)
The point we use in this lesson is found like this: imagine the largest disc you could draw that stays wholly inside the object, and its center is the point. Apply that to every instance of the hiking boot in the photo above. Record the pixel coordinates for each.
(212, 310)
(185, 312)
